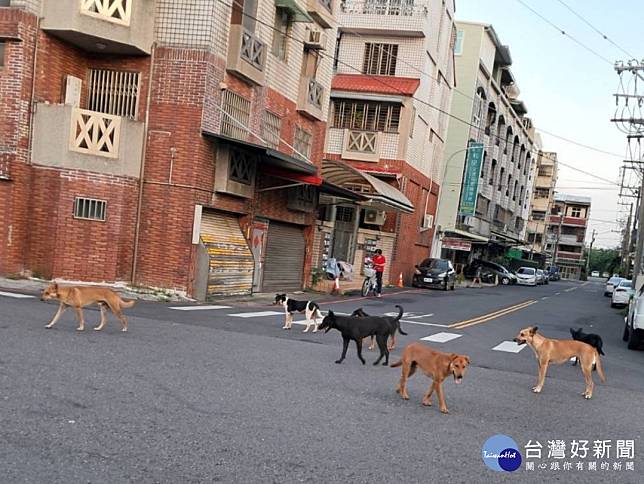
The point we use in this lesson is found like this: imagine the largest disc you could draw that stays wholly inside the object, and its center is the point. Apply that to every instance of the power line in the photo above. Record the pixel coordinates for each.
(563, 32)
(422, 101)
(580, 17)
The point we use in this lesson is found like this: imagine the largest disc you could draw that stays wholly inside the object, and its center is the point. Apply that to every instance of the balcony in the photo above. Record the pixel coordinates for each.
(396, 17)
(246, 55)
(69, 137)
(571, 240)
(311, 98)
(121, 27)
(575, 257)
(543, 182)
(321, 11)
(572, 221)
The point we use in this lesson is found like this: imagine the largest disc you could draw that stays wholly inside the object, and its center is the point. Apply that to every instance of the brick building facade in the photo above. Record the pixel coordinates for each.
(162, 143)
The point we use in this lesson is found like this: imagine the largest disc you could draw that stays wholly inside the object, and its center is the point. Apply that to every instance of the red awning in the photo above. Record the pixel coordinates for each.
(290, 175)
(404, 86)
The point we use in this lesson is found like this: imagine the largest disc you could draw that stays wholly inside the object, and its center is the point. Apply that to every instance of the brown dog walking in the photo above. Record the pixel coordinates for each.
(80, 296)
(559, 351)
(434, 364)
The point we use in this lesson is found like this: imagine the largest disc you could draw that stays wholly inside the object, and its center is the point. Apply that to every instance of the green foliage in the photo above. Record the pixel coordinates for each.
(604, 260)
(316, 276)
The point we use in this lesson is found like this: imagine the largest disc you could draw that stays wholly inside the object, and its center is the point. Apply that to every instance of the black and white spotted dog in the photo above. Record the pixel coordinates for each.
(310, 309)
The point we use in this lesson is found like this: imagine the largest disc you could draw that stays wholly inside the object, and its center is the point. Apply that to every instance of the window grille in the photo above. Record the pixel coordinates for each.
(114, 92)
(90, 209)
(242, 167)
(380, 59)
(302, 144)
(366, 115)
(271, 128)
(235, 117)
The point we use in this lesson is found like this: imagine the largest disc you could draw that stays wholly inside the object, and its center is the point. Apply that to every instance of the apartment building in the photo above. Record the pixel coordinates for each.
(167, 143)
(566, 233)
(490, 162)
(542, 201)
(394, 72)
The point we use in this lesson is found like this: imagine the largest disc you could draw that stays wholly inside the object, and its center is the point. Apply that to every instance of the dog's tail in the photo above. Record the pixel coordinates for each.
(396, 364)
(599, 350)
(600, 370)
(127, 303)
(400, 314)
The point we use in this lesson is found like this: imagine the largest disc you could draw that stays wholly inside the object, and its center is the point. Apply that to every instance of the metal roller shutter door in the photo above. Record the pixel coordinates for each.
(231, 262)
(284, 262)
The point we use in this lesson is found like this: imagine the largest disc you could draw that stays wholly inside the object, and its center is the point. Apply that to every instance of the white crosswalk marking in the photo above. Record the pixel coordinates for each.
(259, 314)
(441, 337)
(197, 308)
(16, 295)
(508, 347)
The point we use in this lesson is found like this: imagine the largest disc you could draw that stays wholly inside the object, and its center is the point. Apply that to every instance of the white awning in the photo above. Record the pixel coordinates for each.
(465, 233)
(381, 195)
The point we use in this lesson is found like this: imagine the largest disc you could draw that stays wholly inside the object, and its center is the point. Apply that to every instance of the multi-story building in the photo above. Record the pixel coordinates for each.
(542, 200)
(387, 128)
(497, 181)
(169, 143)
(566, 233)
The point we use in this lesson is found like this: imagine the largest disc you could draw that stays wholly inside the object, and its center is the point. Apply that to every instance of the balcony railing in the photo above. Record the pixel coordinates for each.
(116, 11)
(315, 92)
(95, 133)
(253, 50)
(405, 8)
(363, 142)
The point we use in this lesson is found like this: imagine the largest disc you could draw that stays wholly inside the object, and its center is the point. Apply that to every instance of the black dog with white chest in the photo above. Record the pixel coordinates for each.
(591, 339)
(310, 309)
(358, 328)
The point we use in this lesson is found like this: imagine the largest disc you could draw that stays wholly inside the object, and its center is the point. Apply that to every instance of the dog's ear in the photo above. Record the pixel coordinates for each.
(467, 359)
(331, 315)
(533, 330)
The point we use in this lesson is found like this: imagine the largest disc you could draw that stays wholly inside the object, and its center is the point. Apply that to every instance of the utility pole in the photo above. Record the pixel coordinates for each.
(628, 120)
(626, 244)
(590, 252)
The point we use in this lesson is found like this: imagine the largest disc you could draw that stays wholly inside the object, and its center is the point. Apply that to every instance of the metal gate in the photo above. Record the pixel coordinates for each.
(344, 234)
(231, 262)
(284, 264)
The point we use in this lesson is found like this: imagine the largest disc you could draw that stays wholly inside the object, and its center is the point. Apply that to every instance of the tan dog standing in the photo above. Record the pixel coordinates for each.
(560, 351)
(80, 296)
(434, 364)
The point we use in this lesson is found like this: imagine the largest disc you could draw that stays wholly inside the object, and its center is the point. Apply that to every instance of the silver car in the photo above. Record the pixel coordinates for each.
(542, 278)
(611, 284)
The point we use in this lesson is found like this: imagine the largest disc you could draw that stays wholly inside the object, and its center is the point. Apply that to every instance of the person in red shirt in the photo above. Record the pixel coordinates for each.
(379, 265)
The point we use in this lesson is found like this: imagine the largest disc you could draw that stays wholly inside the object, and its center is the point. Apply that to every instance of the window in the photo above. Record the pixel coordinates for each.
(5, 3)
(90, 209)
(458, 46)
(492, 172)
(540, 215)
(235, 115)
(501, 179)
(388, 7)
(280, 33)
(2, 49)
(413, 123)
(483, 165)
(113, 92)
(479, 106)
(302, 144)
(541, 192)
(242, 167)
(380, 59)
(244, 12)
(575, 212)
(366, 115)
(271, 128)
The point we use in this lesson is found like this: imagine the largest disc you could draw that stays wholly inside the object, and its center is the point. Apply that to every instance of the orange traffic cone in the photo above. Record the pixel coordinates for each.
(400, 281)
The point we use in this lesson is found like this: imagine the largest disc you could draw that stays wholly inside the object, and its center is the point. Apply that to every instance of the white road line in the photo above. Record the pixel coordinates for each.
(259, 314)
(16, 295)
(406, 321)
(570, 289)
(509, 347)
(197, 308)
(557, 293)
(544, 298)
(421, 316)
(441, 337)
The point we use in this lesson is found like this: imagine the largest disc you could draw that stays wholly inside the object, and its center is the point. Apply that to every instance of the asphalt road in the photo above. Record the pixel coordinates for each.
(208, 395)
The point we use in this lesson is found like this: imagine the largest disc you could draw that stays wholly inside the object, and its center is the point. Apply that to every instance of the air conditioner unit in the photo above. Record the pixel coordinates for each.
(314, 38)
(428, 221)
(468, 220)
(374, 217)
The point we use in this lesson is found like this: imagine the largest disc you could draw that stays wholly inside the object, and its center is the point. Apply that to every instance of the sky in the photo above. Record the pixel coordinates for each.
(569, 91)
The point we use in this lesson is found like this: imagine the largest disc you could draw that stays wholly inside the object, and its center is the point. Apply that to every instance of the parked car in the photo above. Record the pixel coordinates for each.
(489, 272)
(553, 273)
(594, 274)
(541, 277)
(634, 327)
(622, 294)
(610, 285)
(435, 273)
(527, 276)
(605, 275)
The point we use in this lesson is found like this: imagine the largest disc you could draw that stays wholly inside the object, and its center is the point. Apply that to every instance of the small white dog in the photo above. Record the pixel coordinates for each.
(310, 309)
